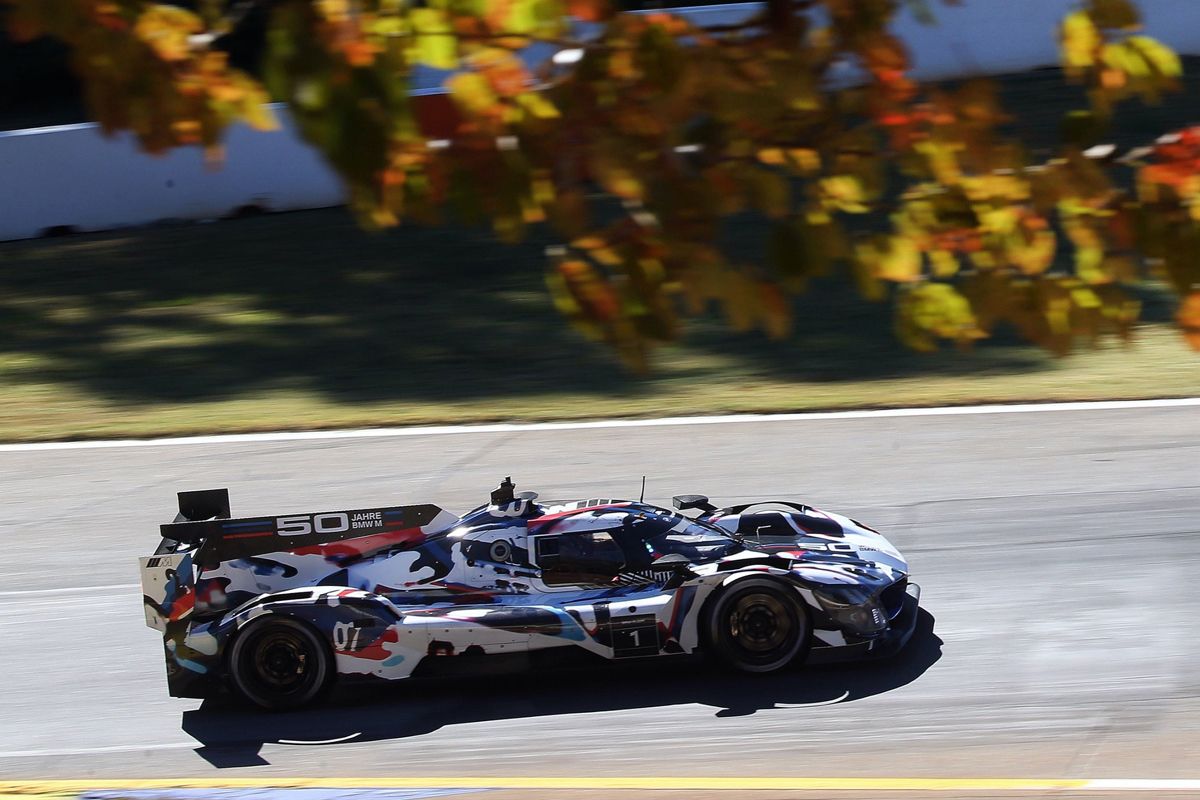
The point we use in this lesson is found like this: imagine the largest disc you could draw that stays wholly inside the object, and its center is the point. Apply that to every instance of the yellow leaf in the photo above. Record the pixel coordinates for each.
(621, 182)
(901, 263)
(531, 212)
(589, 242)
(983, 259)
(1035, 257)
(1088, 261)
(772, 155)
(606, 256)
(998, 220)
(537, 105)
(543, 190)
(809, 161)
(944, 264)
(258, 113)
(942, 158)
(1124, 59)
(933, 311)
(436, 44)
(1079, 41)
(166, 29)
(1162, 58)
(1085, 298)
(845, 193)
(471, 91)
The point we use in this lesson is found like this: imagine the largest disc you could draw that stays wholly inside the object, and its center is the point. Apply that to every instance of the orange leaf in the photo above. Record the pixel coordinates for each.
(589, 10)
(1189, 314)
(506, 73)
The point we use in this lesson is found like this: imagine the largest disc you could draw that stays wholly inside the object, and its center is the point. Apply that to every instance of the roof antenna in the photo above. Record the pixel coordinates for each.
(642, 499)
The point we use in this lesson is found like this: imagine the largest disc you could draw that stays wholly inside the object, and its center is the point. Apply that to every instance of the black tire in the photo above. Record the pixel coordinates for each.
(280, 663)
(757, 625)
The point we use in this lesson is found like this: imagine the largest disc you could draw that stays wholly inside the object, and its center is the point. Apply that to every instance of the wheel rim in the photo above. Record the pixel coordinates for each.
(282, 662)
(760, 624)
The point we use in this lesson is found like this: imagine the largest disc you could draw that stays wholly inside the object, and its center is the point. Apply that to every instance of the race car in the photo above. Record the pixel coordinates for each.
(279, 607)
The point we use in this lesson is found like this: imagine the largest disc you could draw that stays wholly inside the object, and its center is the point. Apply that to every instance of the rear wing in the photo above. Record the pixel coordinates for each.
(204, 535)
(204, 521)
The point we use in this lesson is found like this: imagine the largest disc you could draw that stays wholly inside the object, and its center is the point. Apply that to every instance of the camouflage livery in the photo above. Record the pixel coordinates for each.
(390, 592)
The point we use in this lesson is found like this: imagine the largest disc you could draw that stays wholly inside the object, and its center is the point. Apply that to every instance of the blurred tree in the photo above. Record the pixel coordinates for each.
(803, 113)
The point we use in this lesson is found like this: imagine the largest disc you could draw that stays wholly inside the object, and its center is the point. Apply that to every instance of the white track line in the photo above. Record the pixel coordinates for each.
(730, 419)
(1142, 785)
(961, 787)
(69, 589)
(58, 752)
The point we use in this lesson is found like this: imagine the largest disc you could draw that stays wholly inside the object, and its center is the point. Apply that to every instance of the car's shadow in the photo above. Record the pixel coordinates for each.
(230, 735)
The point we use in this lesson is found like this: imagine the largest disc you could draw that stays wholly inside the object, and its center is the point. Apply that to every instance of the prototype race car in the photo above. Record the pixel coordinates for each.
(278, 607)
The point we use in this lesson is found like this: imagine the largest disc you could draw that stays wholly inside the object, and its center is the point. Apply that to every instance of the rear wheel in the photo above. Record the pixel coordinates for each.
(280, 664)
(757, 625)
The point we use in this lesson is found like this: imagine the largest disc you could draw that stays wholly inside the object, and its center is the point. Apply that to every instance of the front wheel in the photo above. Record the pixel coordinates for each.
(280, 663)
(757, 625)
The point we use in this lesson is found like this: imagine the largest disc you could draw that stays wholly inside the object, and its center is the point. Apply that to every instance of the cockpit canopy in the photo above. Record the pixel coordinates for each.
(601, 542)
(591, 541)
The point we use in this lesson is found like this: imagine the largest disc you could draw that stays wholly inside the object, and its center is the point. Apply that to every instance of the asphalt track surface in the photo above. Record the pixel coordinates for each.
(1059, 555)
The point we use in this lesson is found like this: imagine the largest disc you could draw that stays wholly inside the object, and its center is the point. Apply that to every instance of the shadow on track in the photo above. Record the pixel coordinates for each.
(231, 735)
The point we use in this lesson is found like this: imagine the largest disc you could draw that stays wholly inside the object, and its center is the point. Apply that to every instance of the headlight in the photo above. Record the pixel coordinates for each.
(853, 607)
(842, 595)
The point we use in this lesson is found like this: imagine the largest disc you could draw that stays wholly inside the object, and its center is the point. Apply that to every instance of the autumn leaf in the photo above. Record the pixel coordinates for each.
(167, 30)
(1189, 319)
(589, 10)
(933, 311)
(472, 92)
(1159, 58)
(1079, 41)
(505, 73)
(435, 45)
(894, 258)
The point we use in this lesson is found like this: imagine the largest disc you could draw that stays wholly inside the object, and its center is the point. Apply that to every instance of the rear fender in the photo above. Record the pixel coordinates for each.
(365, 631)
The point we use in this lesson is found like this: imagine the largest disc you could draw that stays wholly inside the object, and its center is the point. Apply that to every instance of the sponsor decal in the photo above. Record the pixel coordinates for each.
(366, 519)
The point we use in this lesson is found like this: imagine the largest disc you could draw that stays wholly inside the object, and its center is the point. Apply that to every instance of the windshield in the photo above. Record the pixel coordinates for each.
(667, 534)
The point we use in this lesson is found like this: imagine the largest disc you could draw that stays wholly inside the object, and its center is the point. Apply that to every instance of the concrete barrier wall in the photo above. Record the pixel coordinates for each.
(73, 176)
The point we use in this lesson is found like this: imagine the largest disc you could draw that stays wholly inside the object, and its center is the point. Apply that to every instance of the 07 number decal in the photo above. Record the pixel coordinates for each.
(345, 636)
(317, 523)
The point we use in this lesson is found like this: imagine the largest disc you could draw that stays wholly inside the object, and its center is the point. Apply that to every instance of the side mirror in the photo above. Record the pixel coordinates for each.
(697, 501)
(670, 561)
